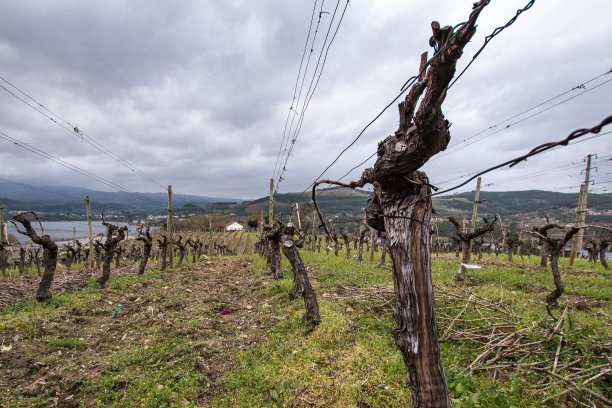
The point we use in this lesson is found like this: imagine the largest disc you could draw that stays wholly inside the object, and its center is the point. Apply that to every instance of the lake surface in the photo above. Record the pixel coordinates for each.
(62, 230)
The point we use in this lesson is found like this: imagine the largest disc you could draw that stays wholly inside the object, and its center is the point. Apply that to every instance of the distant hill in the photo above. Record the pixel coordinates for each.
(338, 203)
(347, 206)
(531, 203)
(71, 200)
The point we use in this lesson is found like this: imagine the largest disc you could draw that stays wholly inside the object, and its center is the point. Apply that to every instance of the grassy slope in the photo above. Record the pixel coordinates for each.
(169, 346)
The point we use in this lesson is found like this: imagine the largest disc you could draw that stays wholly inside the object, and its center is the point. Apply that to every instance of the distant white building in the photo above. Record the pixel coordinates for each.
(234, 226)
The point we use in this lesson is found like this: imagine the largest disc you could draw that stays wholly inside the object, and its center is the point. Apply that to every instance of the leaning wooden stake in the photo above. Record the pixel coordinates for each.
(2, 249)
(90, 235)
(301, 283)
(401, 207)
(169, 230)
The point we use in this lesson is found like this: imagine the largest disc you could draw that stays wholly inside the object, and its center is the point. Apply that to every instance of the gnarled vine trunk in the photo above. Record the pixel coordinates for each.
(114, 235)
(401, 207)
(147, 242)
(50, 252)
(416, 333)
(273, 237)
(301, 283)
(603, 246)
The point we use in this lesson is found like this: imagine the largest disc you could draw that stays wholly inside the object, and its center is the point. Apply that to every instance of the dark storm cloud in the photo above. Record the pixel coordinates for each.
(196, 93)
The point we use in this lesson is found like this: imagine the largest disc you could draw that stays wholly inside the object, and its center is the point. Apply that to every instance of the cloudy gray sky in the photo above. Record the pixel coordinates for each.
(196, 94)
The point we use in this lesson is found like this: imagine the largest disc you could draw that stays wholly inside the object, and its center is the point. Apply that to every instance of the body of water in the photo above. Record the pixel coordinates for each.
(62, 230)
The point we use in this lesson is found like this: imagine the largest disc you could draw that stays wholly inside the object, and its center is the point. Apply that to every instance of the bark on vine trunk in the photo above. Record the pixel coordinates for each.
(273, 237)
(163, 247)
(49, 257)
(416, 334)
(182, 249)
(345, 237)
(362, 232)
(114, 235)
(118, 253)
(466, 238)
(555, 246)
(22, 258)
(401, 207)
(147, 243)
(552, 297)
(603, 246)
(383, 250)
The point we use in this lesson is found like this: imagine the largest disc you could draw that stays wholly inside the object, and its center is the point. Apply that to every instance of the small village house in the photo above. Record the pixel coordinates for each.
(234, 226)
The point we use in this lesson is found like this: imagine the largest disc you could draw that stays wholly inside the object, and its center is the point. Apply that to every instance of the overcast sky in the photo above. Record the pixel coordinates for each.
(196, 93)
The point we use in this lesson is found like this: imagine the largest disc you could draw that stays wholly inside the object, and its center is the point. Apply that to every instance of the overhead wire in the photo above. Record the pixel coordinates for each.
(36, 188)
(74, 130)
(490, 37)
(543, 172)
(411, 80)
(70, 166)
(297, 79)
(535, 151)
(454, 150)
(311, 89)
(295, 109)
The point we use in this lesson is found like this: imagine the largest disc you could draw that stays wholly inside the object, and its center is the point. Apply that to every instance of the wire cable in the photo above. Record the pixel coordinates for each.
(536, 150)
(292, 109)
(490, 37)
(35, 188)
(297, 79)
(74, 130)
(451, 151)
(310, 93)
(69, 166)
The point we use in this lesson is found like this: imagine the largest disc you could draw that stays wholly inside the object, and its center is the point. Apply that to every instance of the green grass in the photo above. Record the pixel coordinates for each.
(349, 360)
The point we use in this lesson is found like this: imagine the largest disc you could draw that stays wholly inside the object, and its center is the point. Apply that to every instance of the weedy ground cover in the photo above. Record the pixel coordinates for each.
(350, 359)
(168, 344)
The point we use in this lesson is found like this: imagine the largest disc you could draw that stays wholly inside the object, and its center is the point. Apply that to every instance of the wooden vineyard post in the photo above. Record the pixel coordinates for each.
(520, 236)
(583, 208)
(372, 242)
(271, 203)
(210, 245)
(314, 231)
(90, 236)
(575, 247)
(2, 256)
(501, 225)
(297, 212)
(2, 259)
(401, 207)
(476, 202)
(169, 227)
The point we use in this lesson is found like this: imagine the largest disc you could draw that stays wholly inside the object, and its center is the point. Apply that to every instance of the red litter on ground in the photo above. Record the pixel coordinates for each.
(225, 311)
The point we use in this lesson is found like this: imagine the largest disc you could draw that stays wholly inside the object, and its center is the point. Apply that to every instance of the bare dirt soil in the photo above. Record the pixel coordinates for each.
(60, 359)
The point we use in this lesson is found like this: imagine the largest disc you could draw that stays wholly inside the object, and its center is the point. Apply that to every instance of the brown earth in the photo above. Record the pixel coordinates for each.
(53, 359)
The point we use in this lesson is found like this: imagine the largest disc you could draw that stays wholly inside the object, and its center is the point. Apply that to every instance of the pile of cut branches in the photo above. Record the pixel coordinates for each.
(567, 361)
